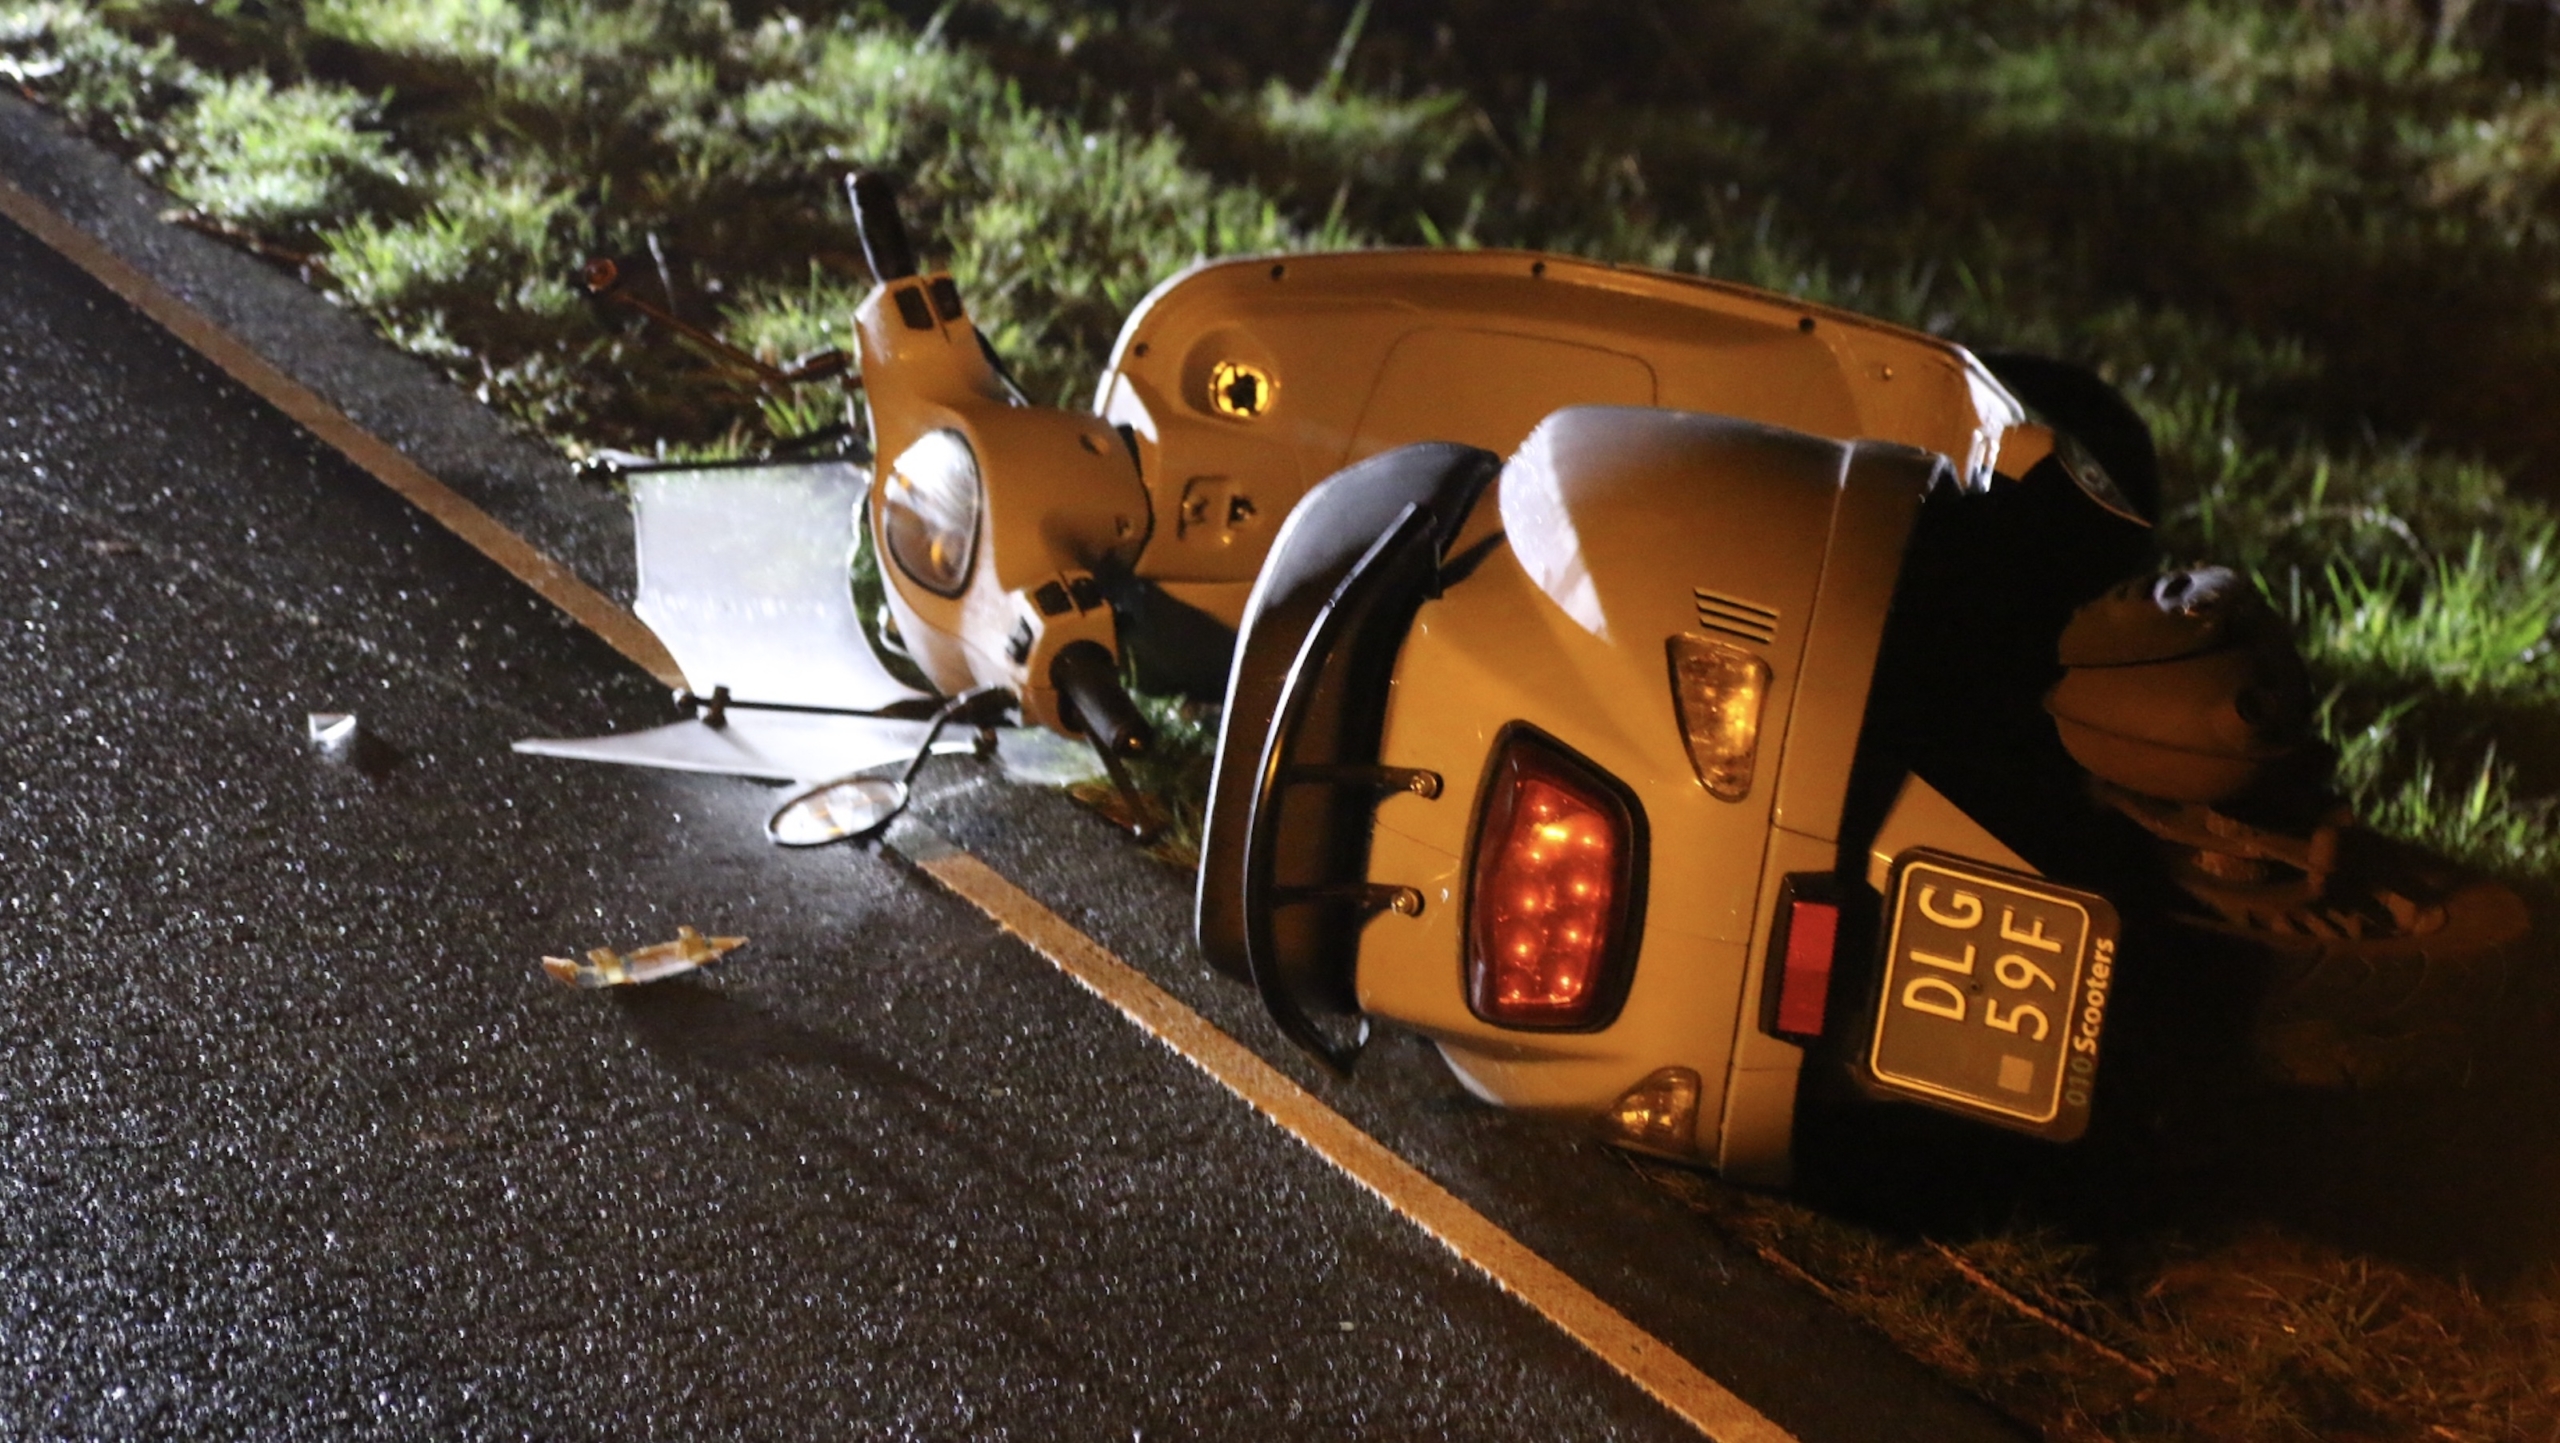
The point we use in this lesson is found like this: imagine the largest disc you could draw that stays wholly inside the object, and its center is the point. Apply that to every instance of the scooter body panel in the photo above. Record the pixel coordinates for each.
(1356, 353)
(1613, 521)
(1069, 502)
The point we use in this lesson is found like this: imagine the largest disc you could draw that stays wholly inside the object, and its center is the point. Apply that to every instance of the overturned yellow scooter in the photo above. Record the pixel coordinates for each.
(1650, 690)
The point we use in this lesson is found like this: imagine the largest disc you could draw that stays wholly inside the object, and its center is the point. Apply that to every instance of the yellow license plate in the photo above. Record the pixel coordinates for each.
(1994, 994)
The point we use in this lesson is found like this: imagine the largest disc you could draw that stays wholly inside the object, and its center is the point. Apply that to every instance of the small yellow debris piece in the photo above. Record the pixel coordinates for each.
(605, 967)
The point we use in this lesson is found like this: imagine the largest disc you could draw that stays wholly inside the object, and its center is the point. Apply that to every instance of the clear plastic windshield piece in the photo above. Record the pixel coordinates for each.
(745, 574)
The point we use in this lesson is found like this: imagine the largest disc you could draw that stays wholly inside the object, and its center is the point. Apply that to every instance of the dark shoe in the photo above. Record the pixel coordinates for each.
(2384, 960)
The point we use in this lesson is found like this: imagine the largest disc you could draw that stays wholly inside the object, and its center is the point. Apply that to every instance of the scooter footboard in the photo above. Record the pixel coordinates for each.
(1283, 876)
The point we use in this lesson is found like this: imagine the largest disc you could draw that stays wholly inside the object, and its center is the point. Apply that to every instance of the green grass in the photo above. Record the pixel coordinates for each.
(2260, 1337)
(2479, 622)
(2318, 245)
(2430, 659)
(276, 160)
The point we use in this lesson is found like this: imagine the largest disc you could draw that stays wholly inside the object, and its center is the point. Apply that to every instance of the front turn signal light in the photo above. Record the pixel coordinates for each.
(1552, 891)
(1718, 689)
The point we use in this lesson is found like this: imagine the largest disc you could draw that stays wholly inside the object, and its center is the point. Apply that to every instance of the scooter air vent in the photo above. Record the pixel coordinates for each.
(1552, 893)
(1734, 616)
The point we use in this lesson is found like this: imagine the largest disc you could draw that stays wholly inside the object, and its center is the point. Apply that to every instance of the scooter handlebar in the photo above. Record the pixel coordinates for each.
(885, 244)
(1088, 681)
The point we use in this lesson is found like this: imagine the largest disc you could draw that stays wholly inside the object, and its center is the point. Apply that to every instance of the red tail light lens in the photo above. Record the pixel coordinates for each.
(1553, 891)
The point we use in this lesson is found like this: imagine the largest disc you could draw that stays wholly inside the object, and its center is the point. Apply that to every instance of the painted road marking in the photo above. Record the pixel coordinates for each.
(1477, 1240)
(555, 583)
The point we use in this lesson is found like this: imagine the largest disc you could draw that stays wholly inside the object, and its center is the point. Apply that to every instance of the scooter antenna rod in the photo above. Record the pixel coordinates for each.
(603, 280)
(885, 244)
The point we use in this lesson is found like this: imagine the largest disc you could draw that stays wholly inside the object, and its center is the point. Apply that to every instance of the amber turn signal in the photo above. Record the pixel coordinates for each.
(1658, 1115)
(1717, 689)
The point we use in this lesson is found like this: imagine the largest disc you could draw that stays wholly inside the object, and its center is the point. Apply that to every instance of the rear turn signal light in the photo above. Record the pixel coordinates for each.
(1552, 892)
(1718, 689)
(1658, 1115)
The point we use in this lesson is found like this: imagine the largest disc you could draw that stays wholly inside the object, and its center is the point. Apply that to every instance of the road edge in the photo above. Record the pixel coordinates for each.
(1652, 1365)
(484, 533)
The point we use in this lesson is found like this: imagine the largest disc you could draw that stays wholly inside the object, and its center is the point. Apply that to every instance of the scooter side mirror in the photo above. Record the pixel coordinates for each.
(859, 807)
(846, 809)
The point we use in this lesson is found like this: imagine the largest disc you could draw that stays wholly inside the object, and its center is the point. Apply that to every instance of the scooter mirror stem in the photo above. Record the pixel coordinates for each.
(885, 244)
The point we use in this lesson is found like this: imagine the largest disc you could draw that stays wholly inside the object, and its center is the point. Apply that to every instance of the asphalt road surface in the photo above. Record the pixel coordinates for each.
(300, 1143)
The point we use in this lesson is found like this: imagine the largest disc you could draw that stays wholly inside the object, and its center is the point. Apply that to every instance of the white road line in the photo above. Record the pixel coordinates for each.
(1476, 1239)
(1645, 1360)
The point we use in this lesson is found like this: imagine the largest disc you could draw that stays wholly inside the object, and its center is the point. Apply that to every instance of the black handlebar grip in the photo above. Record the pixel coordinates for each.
(885, 245)
(1089, 681)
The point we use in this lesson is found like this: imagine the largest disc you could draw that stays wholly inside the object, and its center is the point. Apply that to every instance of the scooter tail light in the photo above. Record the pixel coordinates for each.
(1807, 938)
(1552, 891)
(1718, 689)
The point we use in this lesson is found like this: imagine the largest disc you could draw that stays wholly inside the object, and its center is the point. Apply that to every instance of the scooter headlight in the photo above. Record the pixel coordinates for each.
(929, 511)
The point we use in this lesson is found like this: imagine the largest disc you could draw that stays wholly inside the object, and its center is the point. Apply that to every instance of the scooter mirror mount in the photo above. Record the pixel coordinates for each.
(604, 281)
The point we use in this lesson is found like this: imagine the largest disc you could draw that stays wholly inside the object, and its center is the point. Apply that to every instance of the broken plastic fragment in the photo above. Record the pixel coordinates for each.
(605, 967)
(333, 731)
(742, 575)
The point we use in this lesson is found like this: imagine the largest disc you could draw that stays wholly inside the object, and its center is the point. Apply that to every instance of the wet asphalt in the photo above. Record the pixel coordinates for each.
(300, 1143)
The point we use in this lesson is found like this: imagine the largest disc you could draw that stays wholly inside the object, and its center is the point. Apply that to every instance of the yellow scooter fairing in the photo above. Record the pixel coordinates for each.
(1243, 383)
